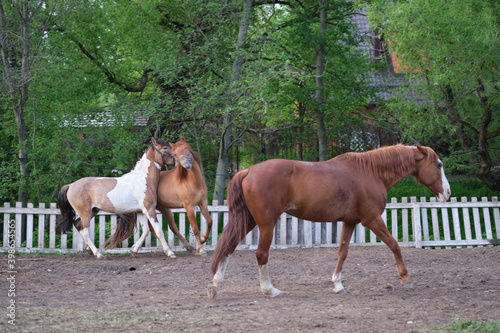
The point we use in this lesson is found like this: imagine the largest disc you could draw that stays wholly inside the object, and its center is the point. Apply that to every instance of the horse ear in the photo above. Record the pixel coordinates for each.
(183, 139)
(153, 141)
(172, 145)
(421, 153)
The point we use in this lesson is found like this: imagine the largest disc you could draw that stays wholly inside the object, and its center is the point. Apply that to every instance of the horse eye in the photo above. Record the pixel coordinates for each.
(439, 165)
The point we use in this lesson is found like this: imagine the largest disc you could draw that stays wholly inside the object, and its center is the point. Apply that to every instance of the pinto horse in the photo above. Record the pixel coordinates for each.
(351, 188)
(133, 192)
(180, 187)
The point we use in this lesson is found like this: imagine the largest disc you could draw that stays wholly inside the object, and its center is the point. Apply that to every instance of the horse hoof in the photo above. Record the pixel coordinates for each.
(173, 256)
(408, 285)
(99, 256)
(89, 251)
(341, 291)
(190, 249)
(132, 253)
(211, 291)
(201, 253)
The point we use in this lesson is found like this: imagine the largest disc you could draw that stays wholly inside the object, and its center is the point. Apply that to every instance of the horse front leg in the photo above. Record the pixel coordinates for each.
(345, 239)
(196, 231)
(379, 228)
(206, 214)
(151, 216)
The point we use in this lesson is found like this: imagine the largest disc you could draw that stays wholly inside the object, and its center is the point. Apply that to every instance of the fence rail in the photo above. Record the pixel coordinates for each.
(414, 223)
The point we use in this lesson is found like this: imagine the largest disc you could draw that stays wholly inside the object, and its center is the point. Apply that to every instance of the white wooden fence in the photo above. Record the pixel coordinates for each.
(414, 223)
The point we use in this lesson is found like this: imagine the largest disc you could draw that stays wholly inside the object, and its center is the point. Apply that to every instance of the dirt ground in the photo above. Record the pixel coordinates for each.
(151, 292)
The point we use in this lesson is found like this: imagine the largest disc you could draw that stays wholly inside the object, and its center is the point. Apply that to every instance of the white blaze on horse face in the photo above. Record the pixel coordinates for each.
(445, 195)
(130, 190)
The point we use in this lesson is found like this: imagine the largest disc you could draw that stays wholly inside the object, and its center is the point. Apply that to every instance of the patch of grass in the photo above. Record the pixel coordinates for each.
(471, 326)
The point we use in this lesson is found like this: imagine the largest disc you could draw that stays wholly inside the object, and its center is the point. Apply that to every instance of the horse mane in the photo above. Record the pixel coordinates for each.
(387, 161)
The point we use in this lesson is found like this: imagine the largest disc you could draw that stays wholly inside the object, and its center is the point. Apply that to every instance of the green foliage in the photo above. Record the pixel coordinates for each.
(448, 52)
(470, 326)
(459, 188)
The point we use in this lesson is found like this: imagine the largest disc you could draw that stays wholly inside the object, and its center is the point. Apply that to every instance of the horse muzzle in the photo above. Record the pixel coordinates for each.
(445, 195)
(186, 161)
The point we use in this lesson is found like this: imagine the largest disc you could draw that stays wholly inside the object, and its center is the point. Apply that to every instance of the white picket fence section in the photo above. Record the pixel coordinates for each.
(414, 223)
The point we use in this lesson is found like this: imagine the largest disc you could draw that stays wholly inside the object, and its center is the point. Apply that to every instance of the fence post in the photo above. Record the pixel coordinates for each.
(417, 226)
(308, 239)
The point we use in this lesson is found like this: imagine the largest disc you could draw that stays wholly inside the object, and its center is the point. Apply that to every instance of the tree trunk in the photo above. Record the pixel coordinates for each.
(226, 140)
(320, 68)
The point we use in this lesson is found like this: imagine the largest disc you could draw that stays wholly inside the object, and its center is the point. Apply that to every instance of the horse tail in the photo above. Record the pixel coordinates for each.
(67, 217)
(237, 226)
(124, 229)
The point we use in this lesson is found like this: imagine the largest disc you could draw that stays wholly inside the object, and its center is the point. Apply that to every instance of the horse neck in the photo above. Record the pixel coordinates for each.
(147, 167)
(387, 168)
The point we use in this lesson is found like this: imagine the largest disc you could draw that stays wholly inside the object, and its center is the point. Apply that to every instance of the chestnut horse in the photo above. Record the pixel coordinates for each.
(180, 187)
(351, 188)
(133, 192)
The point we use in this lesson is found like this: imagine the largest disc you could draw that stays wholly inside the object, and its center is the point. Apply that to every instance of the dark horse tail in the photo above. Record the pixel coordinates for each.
(239, 219)
(67, 217)
(124, 229)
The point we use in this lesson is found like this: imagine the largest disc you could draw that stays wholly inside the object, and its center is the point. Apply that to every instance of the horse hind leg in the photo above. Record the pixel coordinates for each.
(91, 248)
(208, 218)
(262, 254)
(167, 213)
(141, 218)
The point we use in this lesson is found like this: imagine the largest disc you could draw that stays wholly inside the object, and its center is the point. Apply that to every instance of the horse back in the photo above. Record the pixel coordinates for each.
(316, 191)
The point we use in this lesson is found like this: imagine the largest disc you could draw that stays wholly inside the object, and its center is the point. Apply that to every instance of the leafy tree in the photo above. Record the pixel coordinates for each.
(450, 52)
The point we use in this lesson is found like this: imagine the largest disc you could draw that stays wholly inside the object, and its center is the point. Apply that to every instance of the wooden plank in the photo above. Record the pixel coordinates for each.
(417, 226)
(487, 220)
(496, 217)
(18, 231)
(41, 227)
(328, 233)
(456, 222)
(477, 221)
(52, 228)
(295, 230)
(405, 221)
(394, 220)
(435, 222)
(6, 224)
(308, 241)
(113, 222)
(317, 233)
(425, 221)
(446, 225)
(215, 224)
(361, 234)
(282, 229)
(466, 216)
(102, 231)
(29, 228)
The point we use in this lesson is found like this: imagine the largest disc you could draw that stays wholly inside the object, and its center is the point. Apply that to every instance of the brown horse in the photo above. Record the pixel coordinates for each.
(180, 187)
(133, 192)
(351, 188)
